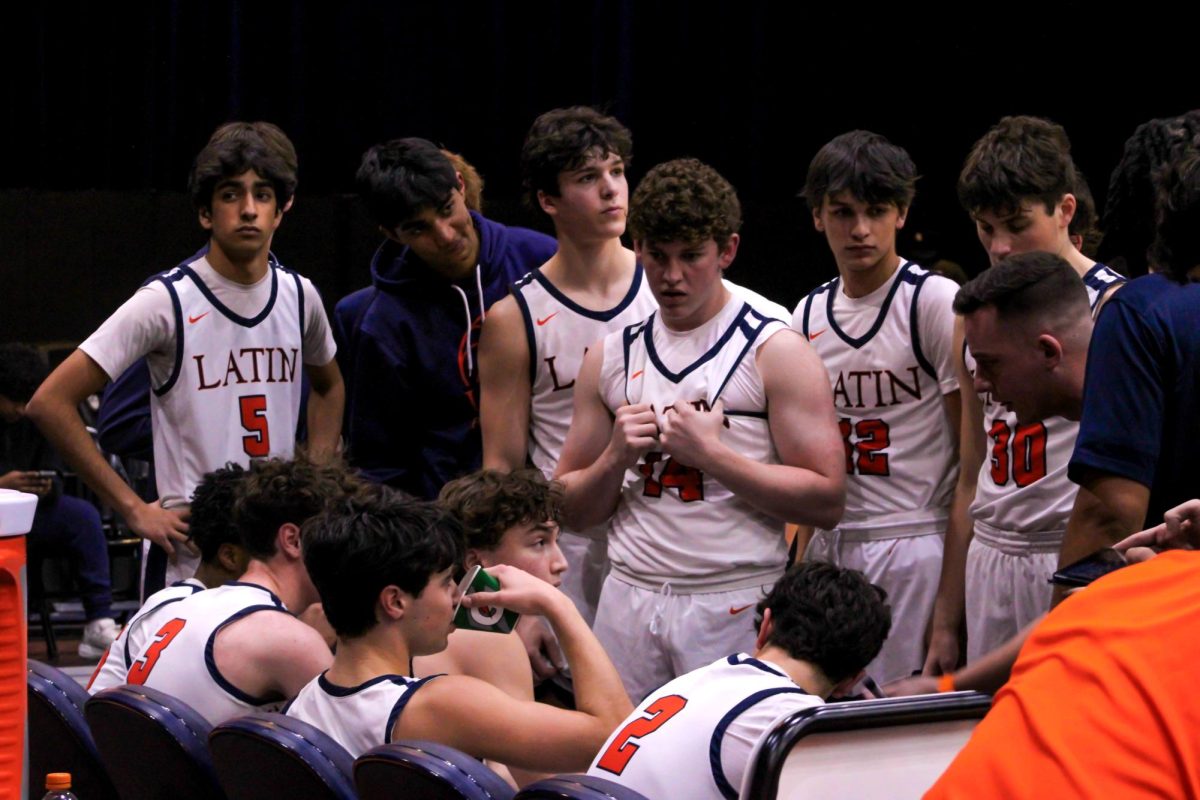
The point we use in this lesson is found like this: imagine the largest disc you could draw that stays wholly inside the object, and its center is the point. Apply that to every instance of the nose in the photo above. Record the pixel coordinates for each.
(999, 247)
(445, 232)
(558, 562)
(981, 384)
(249, 206)
(608, 185)
(860, 229)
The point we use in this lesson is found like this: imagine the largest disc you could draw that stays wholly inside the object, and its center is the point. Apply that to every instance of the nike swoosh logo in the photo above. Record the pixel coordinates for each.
(812, 336)
(636, 375)
(739, 609)
(194, 320)
(543, 321)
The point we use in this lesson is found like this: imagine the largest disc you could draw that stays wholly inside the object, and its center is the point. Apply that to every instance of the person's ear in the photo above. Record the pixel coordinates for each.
(729, 251)
(764, 630)
(1050, 351)
(392, 603)
(287, 540)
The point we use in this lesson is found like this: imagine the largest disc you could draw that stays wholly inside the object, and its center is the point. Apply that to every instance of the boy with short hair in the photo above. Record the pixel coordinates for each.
(884, 329)
(696, 433)
(574, 162)
(385, 569)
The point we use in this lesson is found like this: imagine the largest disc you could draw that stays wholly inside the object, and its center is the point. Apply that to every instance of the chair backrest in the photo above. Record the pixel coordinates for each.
(426, 771)
(153, 745)
(264, 756)
(577, 787)
(893, 748)
(59, 737)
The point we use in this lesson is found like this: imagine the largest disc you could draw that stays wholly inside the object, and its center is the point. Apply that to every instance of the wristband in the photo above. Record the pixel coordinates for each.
(946, 683)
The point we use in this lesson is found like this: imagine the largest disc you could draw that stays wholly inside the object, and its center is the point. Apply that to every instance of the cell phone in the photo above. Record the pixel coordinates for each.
(483, 618)
(46, 473)
(1089, 568)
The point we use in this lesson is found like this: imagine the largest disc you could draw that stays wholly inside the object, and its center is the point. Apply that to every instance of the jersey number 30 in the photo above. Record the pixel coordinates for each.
(254, 419)
(140, 670)
(616, 755)
(1024, 449)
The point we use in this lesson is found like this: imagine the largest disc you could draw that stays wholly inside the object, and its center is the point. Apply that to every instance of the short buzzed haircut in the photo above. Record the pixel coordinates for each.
(684, 200)
(1026, 286)
(866, 165)
(1019, 158)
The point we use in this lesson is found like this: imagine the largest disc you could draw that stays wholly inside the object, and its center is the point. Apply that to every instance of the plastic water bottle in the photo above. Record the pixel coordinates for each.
(58, 787)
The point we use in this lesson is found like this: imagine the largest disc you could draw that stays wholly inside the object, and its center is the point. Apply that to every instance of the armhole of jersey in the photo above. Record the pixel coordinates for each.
(527, 318)
(211, 662)
(714, 746)
(394, 716)
(807, 310)
(628, 336)
(300, 303)
(751, 334)
(140, 617)
(177, 308)
(915, 331)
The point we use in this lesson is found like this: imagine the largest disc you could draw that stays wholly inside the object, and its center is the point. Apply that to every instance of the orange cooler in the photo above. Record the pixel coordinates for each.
(16, 516)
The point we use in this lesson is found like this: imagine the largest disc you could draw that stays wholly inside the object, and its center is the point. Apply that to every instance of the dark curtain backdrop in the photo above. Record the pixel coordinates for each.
(106, 104)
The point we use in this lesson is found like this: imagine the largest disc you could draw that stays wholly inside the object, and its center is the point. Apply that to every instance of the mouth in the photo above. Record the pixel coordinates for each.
(860, 249)
(614, 210)
(248, 230)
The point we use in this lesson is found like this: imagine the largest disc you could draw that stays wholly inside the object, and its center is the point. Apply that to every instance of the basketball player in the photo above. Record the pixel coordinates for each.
(224, 337)
(692, 738)
(222, 559)
(884, 329)
(695, 434)
(413, 422)
(384, 567)
(1013, 497)
(238, 648)
(574, 161)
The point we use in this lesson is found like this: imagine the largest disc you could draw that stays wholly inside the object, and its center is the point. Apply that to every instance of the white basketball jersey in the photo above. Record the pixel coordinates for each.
(901, 456)
(177, 658)
(693, 737)
(559, 332)
(673, 523)
(114, 664)
(357, 717)
(234, 393)
(1023, 486)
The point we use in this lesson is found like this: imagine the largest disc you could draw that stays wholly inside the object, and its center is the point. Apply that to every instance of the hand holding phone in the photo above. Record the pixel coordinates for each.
(1089, 568)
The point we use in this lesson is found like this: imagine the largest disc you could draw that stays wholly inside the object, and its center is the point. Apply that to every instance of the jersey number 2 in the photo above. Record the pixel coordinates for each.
(867, 454)
(616, 755)
(1024, 449)
(140, 670)
(254, 419)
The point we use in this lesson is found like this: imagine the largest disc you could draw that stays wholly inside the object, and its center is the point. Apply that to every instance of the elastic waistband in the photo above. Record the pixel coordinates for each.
(878, 534)
(1018, 542)
(699, 585)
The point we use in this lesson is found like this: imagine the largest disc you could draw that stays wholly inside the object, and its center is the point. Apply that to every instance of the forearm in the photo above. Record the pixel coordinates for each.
(949, 607)
(992, 671)
(591, 494)
(1107, 509)
(325, 410)
(785, 492)
(599, 692)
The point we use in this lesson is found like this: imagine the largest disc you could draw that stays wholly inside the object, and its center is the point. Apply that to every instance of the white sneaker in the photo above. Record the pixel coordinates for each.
(97, 636)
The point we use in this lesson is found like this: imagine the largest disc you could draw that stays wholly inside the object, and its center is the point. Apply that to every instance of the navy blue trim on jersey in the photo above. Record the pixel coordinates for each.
(527, 316)
(915, 330)
(712, 353)
(245, 322)
(402, 702)
(601, 316)
(299, 302)
(274, 597)
(714, 745)
(753, 414)
(211, 663)
(750, 661)
(903, 275)
(808, 301)
(142, 615)
(629, 335)
(1092, 278)
(751, 334)
(333, 689)
(177, 308)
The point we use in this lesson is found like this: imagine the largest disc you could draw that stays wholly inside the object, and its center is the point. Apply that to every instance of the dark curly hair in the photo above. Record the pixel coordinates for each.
(564, 139)
(490, 502)
(239, 146)
(1084, 223)
(828, 616)
(866, 165)
(22, 370)
(276, 491)
(211, 522)
(1176, 249)
(684, 200)
(359, 546)
(1019, 158)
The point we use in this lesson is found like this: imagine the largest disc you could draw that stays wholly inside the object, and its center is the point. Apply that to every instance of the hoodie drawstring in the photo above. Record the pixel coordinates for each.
(467, 311)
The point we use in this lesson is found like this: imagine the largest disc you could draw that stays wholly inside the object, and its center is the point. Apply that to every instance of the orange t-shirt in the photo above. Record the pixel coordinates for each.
(1103, 700)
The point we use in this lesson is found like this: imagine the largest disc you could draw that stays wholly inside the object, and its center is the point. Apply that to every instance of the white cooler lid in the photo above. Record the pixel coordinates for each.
(16, 512)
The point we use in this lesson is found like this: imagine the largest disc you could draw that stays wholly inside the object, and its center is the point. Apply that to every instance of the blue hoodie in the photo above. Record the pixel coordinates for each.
(412, 411)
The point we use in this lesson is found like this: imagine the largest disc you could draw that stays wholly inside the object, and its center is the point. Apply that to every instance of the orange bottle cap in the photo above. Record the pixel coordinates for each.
(58, 780)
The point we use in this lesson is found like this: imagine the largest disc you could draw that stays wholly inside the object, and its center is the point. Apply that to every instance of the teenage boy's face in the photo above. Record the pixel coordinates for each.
(532, 547)
(244, 214)
(861, 235)
(429, 617)
(444, 237)
(1028, 228)
(592, 201)
(685, 278)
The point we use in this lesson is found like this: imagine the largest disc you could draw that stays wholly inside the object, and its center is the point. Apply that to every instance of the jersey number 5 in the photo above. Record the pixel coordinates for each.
(616, 755)
(254, 419)
(1024, 449)
(867, 453)
(140, 670)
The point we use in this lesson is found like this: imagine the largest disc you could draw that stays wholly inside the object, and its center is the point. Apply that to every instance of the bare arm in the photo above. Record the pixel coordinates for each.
(326, 402)
(599, 448)
(504, 387)
(270, 654)
(54, 408)
(1107, 509)
(946, 624)
(808, 486)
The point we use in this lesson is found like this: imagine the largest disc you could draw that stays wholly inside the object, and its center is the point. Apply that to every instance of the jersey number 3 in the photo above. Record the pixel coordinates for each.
(867, 453)
(1024, 449)
(254, 419)
(140, 669)
(616, 755)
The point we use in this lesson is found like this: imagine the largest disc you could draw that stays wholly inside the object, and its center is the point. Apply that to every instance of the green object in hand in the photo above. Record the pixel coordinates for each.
(484, 618)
